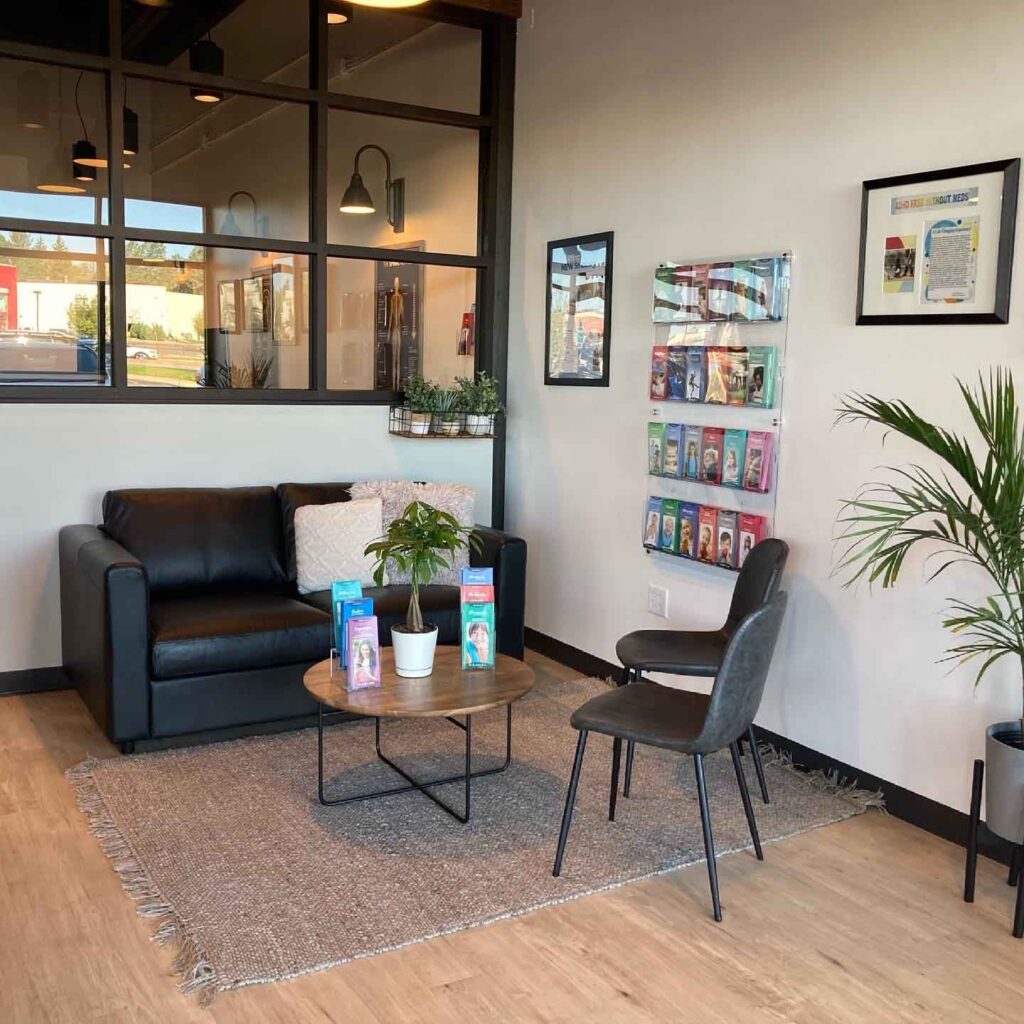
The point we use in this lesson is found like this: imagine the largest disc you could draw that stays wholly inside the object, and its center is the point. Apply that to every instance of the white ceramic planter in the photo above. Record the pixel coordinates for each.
(479, 426)
(420, 423)
(1004, 782)
(414, 652)
(447, 428)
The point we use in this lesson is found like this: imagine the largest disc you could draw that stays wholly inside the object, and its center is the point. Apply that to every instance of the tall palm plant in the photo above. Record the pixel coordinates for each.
(971, 507)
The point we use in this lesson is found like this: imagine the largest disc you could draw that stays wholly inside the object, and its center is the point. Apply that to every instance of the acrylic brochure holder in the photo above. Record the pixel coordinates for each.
(711, 305)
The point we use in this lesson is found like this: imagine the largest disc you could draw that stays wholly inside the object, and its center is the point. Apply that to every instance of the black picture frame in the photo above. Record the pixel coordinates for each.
(581, 376)
(1000, 313)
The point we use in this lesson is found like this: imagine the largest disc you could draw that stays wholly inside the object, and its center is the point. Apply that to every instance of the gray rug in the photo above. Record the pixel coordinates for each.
(227, 849)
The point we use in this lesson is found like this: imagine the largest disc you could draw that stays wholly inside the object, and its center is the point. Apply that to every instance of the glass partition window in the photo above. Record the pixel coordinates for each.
(54, 310)
(388, 320)
(216, 318)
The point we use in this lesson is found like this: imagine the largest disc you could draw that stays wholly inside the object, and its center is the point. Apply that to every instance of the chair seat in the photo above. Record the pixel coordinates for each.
(684, 653)
(659, 716)
(211, 633)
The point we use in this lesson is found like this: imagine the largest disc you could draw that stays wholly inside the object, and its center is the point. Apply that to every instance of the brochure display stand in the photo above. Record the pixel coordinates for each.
(713, 433)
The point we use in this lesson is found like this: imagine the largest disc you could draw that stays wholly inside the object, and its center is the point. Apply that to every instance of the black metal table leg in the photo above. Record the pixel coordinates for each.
(465, 777)
(1018, 913)
(1015, 864)
(972, 832)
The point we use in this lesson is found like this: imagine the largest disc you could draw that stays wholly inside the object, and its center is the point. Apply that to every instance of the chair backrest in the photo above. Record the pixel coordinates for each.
(739, 685)
(758, 580)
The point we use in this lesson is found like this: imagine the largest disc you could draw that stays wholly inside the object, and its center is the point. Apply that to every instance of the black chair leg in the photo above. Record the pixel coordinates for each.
(709, 842)
(1018, 914)
(1015, 858)
(630, 749)
(624, 678)
(570, 799)
(616, 758)
(748, 807)
(758, 767)
(971, 866)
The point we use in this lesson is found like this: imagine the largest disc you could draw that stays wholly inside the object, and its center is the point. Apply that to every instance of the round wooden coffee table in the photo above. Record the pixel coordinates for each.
(449, 691)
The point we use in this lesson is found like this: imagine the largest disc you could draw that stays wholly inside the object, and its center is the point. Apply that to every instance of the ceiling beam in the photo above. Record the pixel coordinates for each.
(510, 8)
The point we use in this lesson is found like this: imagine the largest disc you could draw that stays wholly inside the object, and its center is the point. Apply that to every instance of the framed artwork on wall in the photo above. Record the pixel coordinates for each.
(227, 300)
(257, 304)
(577, 333)
(283, 284)
(937, 247)
(398, 327)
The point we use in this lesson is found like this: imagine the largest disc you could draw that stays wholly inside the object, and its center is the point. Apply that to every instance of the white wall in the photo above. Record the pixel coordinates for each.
(694, 130)
(56, 462)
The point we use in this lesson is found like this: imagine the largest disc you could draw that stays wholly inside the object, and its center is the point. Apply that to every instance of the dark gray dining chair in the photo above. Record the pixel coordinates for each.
(662, 716)
(700, 652)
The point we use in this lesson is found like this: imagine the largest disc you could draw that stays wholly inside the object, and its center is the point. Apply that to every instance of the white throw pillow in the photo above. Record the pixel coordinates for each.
(329, 542)
(456, 499)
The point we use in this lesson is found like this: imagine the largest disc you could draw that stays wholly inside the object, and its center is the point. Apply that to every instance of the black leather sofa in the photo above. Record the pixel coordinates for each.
(180, 614)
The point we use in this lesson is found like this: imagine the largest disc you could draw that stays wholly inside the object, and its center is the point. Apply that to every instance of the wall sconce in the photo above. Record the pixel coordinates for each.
(358, 200)
(229, 226)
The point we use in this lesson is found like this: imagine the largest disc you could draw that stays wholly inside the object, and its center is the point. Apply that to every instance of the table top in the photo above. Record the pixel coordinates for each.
(449, 690)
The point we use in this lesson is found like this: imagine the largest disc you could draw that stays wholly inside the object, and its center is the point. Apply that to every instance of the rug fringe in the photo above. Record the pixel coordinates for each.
(190, 965)
(828, 781)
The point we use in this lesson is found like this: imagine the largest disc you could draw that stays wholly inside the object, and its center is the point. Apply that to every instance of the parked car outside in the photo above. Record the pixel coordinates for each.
(141, 352)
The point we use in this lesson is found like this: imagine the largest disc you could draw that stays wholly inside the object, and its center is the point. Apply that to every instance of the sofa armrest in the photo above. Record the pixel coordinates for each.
(507, 556)
(104, 606)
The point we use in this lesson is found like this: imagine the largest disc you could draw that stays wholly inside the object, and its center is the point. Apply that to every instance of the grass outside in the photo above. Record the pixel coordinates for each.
(167, 372)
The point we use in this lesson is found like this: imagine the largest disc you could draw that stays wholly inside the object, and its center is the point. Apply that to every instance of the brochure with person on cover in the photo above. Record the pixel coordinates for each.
(669, 526)
(478, 647)
(363, 653)
(761, 376)
(691, 456)
(689, 514)
(354, 608)
(652, 523)
(656, 448)
(734, 449)
(673, 444)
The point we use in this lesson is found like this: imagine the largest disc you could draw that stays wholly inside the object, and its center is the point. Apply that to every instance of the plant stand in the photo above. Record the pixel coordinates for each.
(1016, 862)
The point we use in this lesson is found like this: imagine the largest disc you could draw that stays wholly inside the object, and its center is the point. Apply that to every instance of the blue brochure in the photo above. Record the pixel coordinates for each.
(477, 577)
(341, 591)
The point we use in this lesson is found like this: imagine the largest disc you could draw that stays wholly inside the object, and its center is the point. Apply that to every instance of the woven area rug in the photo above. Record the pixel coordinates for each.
(227, 849)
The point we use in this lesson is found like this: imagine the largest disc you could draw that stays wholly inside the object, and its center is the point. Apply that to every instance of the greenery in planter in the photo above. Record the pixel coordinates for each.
(974, 514)
(419, 394)
(479, 395)
(418, 543)
(446, 404)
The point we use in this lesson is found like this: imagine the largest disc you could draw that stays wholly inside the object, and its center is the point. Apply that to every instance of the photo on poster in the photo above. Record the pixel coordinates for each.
(900, 261)
(398, 322)
(950, 260)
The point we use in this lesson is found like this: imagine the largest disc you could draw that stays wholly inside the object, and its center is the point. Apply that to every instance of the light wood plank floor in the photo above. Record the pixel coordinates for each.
(858, 922)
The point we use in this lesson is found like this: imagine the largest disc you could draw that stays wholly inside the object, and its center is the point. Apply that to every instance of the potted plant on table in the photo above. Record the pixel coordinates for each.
(446, 411)
(480, 402)
(420, 542)
(419, 400)
(973, 514)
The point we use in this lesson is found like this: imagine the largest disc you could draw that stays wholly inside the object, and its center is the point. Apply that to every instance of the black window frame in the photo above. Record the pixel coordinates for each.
(493, 124)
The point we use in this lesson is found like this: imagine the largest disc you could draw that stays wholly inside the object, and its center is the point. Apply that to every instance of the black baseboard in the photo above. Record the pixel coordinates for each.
(33, 680)
(926, 814)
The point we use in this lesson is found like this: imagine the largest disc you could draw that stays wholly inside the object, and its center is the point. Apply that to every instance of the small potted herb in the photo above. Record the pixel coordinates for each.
(480, 402)
(419, 400)
(420, 542)
(446, 411)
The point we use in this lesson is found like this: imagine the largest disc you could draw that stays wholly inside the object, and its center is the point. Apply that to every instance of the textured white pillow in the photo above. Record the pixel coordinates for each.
(329, 542)
(456, 499)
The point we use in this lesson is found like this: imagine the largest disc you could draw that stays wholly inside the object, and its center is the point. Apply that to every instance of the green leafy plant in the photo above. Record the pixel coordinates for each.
(420, 542)
(479, 395)
(446, 404)
(971, 509)
(419, 394)
(255, 374)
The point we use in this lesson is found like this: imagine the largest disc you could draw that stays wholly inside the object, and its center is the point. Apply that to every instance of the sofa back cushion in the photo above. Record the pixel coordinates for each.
(201, 538)
(293, 496)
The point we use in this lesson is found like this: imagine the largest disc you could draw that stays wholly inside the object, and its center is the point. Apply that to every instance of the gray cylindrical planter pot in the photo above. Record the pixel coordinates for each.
(1004, 782)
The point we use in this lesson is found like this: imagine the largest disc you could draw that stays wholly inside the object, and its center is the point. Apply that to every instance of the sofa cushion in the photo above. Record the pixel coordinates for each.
(440, 606)
(199, 635)
(293, 496)
(210, 539)
(330, 541)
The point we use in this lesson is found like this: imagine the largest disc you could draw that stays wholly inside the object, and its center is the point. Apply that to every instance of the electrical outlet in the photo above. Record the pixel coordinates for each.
(657, 601)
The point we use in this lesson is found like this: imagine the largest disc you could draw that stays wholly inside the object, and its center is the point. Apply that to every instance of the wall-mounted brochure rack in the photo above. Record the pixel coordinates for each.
(713, 433)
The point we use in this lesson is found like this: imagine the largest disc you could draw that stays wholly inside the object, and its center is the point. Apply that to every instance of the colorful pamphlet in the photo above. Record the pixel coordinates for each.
(477, 593)
(341, 591)
(711, 455)
(680, 293)
(353, 608)
(652, 523)
(688, 525)
(726, 551)
(696, 373)
(656, 448)
(483, 576)
(761, 370)
(676, 373)
(717, 390)
(478, 643)
(737, 383)
(659, 372)
(757, 473)
(669, 526)
(363, 648)
(707, 521)
(673, 450)
(751, 534)
(734, 447)
(691, 453)
(731, 290)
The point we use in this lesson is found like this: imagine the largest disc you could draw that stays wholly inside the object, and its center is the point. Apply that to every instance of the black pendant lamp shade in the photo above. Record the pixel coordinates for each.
(83, 160)
(356, 198)
(339, 12)
(130, 123)
(208, 58)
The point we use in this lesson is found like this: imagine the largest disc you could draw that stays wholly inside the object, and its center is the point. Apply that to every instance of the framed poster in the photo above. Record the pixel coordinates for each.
(227, 300)
(938, 247)
(257, 304)
(398, 323)
(283, 304)
(577, 333)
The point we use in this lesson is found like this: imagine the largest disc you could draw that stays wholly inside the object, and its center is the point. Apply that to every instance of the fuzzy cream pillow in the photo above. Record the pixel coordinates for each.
(329, 542)
(456, 499)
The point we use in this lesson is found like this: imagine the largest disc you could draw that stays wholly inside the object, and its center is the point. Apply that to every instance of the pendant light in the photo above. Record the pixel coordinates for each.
(389, 5)
(207, 58)
(339, 12)
(33, 99)
(129, 127)
(53, 179)
(84, 160)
